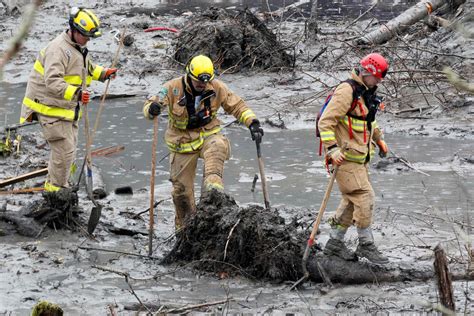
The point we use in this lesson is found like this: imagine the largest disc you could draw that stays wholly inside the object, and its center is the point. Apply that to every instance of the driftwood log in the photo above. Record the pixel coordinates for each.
(398, 25)
(258, 243)
(361, 272)
(443, 278)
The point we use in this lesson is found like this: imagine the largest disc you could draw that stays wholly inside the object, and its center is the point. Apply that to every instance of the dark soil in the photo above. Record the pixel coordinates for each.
(222, 237)
(233, 42)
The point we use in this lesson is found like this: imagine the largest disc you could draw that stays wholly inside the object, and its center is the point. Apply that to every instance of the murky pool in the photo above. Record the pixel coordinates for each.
(294, 170)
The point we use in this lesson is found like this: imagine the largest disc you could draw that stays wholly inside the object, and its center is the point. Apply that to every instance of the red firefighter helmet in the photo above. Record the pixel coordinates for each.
(375, 64)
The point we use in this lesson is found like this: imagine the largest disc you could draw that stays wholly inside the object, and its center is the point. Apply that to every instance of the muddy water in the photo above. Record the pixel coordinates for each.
(294, 170)
(296, 180)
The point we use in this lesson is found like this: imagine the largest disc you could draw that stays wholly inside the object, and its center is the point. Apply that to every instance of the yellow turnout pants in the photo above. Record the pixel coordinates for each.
(62, 139)
(215, 151)
(357, 204)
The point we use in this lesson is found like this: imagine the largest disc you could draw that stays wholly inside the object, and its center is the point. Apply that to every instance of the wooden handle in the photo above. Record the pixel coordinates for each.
(262, 177)
(152, 185)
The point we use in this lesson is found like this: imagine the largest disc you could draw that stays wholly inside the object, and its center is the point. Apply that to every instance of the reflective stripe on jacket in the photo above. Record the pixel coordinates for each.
(55, 78)
(334, 124)
(178, 137)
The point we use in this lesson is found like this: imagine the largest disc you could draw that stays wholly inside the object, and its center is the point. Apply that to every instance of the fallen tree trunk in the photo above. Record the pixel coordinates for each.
(258, 243)
(398, 25)
(361, 272)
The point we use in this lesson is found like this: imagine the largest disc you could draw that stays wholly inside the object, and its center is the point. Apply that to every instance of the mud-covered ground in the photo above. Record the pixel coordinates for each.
(66, 267)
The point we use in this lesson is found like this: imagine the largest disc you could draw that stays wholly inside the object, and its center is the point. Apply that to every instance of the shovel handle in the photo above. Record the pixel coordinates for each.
(323, 205)
(262, 177)
(152, 186)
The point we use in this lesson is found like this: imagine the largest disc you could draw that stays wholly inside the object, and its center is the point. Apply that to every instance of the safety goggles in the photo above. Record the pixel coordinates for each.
(204, 77)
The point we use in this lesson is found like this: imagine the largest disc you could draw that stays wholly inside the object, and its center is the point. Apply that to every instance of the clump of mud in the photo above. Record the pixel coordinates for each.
(232, 42)
(223, 238)
(56, 210)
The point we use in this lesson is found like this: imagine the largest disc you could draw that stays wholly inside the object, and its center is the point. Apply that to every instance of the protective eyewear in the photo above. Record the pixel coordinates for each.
(204, 77)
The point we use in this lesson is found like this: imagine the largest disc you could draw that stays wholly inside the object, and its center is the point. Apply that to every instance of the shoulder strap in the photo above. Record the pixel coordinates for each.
(357, 91)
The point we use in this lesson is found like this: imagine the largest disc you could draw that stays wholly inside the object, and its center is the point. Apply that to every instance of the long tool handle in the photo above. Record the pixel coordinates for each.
(262, 177)
(320, 215)
(104, 95)
(88, 158)
(317, 222)
(323, 207)
(152, 185)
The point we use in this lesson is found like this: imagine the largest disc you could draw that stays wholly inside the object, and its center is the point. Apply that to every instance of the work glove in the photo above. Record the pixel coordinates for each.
(383, 148)
(256, 131)
(336, 155)
(154, 109)
(84, 96)
(110, 73)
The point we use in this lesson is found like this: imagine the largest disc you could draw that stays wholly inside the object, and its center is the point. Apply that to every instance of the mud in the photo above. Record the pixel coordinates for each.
(233, 42)
(224, 238)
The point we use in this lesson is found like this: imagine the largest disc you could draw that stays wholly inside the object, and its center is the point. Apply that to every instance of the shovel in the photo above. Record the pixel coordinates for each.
(262, 174)
(97, 208)
(315, 230)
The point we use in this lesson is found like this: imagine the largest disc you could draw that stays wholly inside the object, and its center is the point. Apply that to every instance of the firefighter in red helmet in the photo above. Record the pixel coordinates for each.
(351, 120)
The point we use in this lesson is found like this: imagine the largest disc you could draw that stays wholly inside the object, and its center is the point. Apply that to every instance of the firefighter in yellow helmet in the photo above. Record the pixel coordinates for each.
(53, 93)
(193, 132)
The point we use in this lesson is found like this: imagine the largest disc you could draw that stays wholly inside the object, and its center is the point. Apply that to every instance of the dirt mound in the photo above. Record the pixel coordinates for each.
(233, 42)
(222, 237)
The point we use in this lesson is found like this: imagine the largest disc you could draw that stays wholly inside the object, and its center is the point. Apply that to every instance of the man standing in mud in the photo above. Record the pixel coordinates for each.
(53, 94)
(193, 132)
(349, 118)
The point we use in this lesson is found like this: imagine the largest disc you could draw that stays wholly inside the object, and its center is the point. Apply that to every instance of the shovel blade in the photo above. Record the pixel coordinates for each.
(94, 218)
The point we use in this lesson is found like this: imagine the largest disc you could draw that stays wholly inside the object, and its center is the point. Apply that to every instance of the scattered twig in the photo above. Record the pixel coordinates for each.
(228, 238)
(190, 307)
(23, 29)
(457, 82)
(407, 163)
(363, 14)
(127, 276)
(148, 209)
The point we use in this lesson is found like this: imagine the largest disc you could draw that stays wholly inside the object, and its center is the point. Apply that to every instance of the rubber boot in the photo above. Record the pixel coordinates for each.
(336, 246)
(367, 249)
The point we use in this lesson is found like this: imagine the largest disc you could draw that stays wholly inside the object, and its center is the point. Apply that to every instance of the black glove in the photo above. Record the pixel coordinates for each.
(256, 131)
(154, 109)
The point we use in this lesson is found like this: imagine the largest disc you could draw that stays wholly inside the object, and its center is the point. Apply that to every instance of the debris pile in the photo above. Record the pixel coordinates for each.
(232, 42)
(56, 210)
(223, 238)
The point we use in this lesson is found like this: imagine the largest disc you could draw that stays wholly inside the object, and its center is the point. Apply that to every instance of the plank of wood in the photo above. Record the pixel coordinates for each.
(22, 191)
(23, 177)
(41, 172)
(107, 151)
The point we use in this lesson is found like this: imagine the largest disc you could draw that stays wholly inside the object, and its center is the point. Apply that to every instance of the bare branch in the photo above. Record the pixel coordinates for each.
(17, 40)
